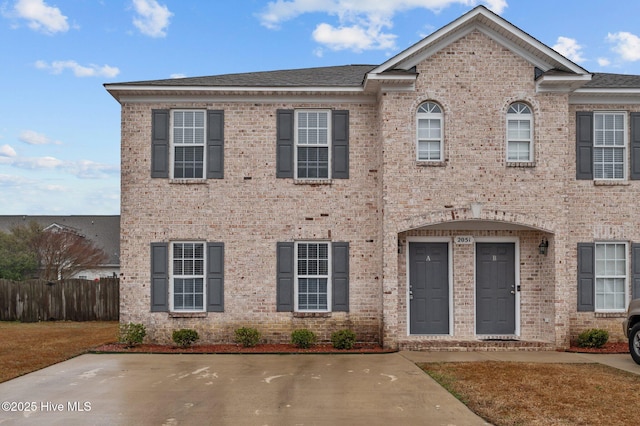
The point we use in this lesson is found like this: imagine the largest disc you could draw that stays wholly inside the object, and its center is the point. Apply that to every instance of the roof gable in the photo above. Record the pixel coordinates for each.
(493, 26)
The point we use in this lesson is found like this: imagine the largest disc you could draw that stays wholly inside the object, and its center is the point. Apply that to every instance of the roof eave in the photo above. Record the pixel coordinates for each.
(561, 83)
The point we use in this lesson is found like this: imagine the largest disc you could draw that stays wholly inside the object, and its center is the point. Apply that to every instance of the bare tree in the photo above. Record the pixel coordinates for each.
(63, 253)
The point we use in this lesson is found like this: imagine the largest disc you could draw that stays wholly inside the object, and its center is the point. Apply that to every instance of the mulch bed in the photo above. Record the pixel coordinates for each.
(237, 349)
(608, 348)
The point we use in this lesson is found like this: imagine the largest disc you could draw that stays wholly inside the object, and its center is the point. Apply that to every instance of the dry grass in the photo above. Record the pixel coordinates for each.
(510, 393)
(26, 347)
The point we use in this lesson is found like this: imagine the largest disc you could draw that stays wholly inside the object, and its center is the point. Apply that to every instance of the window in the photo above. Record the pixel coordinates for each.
(610, 276)
(519, 133)
(312, 144)
(429, 132)
(187, 276)
(609, 145)
(312, 277)
(188, 137)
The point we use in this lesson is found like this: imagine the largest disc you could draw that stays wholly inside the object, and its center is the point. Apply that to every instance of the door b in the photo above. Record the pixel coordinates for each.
(428, 288)
(495, 288)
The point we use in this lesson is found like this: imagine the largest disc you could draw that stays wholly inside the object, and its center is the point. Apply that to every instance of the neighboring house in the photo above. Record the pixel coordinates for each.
(104, 231)
(476, 190)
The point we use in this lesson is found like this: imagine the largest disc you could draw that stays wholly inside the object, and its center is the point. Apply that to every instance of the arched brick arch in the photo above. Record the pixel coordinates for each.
(478, 214)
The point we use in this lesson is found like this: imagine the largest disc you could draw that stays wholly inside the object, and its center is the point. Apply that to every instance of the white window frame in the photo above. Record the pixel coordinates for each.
(298, 276)
(310, 145)
(430, 110)
(599, 275)
(623, 147)
(173, 276)
(517, 112)
(174, 145)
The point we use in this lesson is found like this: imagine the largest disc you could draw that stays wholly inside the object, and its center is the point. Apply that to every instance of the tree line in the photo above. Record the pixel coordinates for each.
(55, 253)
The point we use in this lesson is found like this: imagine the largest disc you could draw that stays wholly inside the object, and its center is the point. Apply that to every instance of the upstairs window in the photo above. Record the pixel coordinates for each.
(188, 133)
(429, 132)
(519, 133)
(312, 144)
(609, 145)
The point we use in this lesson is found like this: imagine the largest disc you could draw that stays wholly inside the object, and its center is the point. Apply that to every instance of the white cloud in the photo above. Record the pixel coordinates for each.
(152, 19)
(361, 22)
(355, 38)
(604, 62)
(41, 17)
(177, 75)
(569, 48)
(82, 169)
(627, 45)
(7, 151)
(57, 67)
(34, 138)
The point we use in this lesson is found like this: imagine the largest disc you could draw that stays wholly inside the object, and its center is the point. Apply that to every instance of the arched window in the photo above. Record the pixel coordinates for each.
(519, 133)
(429, 132)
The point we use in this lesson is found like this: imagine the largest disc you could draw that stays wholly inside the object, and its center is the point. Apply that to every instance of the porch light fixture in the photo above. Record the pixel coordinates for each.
(543, 247)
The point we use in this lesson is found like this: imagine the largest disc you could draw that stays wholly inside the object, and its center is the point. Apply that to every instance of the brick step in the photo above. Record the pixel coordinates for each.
(476, 345)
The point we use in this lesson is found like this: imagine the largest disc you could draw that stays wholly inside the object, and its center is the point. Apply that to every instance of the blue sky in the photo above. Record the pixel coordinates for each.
(60, 129)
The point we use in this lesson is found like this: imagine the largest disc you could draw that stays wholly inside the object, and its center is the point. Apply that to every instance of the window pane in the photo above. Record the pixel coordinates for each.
(313, 270)
(313, 162)
(611, 280)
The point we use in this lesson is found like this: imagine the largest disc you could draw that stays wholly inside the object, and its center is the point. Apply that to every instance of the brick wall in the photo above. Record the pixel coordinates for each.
(250, 211)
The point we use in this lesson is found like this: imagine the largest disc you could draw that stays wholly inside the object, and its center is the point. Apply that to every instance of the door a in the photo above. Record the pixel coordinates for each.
(428, 288)
(495, 288)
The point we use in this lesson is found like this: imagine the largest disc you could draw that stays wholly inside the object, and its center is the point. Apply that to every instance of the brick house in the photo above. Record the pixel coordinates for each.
(476, 190)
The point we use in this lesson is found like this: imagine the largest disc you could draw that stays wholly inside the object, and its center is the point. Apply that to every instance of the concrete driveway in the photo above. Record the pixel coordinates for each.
(137, 389)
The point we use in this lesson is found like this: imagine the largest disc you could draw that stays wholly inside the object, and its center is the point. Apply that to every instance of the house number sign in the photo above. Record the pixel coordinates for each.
(464, 239)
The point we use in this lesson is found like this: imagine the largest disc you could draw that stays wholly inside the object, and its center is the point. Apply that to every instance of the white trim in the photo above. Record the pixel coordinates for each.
(626, 157)
(447, 240)
(516, 242)
(627, 278)
(172, 145)
(204, 277)
(329, 144)
(329, 275)
(520, 117)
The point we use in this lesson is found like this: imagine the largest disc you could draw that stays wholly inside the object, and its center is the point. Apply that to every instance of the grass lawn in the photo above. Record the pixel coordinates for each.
(26, 347)
(510, 393)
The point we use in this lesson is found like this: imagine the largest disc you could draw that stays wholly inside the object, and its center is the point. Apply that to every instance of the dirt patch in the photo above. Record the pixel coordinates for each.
(236, 349)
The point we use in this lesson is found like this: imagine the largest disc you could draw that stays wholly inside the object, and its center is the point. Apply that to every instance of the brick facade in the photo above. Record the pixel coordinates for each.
(389, 200)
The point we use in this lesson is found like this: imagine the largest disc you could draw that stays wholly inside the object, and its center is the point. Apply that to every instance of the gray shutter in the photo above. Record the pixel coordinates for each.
(584, 145)
(285, 277)
(215, 144)
(635, 146)
(340, 145)
(284, 143)
(215, 277)
(159, 277)
(586, 277)
(635, 271)
(160, 143)
(340, 277)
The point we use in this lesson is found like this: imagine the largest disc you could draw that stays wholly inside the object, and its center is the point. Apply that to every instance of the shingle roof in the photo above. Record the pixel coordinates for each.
(103, 230)
(337, 76)
(613, 81)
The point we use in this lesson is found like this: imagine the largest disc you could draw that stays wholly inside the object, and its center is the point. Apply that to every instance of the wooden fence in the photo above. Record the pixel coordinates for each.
(71, 300)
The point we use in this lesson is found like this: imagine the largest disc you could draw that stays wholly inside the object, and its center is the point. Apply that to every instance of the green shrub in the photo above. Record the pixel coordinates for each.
(343, 339)
(132, 334)
(185, 337)
(594, 338)
(247, 336)
(303, 338)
